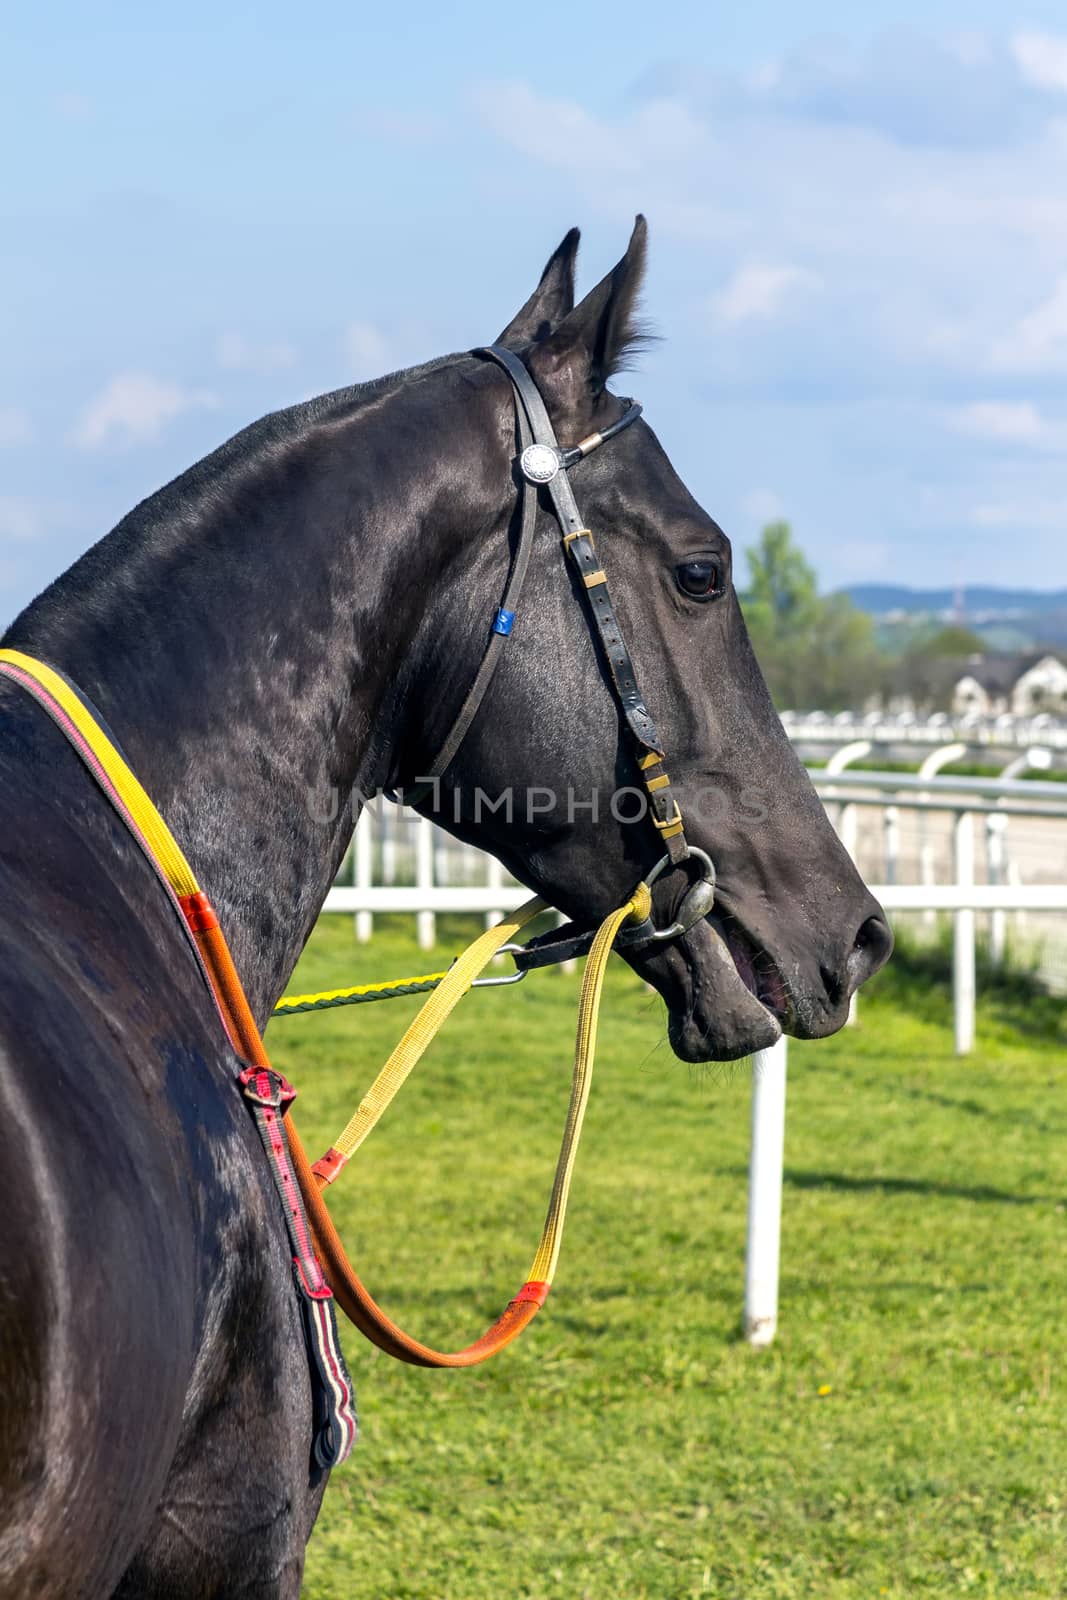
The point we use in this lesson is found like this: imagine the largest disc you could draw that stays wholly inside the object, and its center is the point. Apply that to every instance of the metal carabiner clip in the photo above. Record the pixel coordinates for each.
(499, 983)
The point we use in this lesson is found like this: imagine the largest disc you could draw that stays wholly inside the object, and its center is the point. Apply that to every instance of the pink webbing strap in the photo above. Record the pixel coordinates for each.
(336, 1426)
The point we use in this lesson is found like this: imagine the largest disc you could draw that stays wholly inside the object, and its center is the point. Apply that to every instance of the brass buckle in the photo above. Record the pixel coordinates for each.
(668, 822)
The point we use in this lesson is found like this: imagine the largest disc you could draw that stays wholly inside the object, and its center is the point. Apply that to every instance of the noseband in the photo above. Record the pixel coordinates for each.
(542, 464)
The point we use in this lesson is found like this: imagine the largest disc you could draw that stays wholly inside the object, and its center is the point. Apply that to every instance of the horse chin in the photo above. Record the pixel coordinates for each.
(714, 1015)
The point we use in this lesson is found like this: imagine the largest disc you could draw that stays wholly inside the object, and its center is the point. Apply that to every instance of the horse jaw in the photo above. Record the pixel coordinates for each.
(713, 1015)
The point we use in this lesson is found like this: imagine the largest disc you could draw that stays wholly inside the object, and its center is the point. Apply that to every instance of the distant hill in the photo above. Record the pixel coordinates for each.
(881, 598)
(1005, 619)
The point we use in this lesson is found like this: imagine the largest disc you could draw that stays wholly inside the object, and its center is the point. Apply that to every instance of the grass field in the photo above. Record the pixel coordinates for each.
(906, 1435)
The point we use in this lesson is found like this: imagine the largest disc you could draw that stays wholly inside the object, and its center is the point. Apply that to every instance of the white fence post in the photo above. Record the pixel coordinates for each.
(1015, 881)
(963, 980)
(846, 814)
(944, 756)
(892, 842)
(855, 750)
(765, 1194)
(389, 823)
(441, 849)
(425, 921)
(995, 826)
(363, 872)
(494, 879)
(1035, 759)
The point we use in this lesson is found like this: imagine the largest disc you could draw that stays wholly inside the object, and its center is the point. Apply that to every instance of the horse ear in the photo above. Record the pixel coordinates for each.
(574, 363)
(550, 302)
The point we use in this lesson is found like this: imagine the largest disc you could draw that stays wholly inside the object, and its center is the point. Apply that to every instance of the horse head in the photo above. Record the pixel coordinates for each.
(547, 777)
(305, 612)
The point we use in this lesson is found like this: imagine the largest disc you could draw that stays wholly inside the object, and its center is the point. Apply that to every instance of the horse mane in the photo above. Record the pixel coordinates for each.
(196, 496)
(230, 463)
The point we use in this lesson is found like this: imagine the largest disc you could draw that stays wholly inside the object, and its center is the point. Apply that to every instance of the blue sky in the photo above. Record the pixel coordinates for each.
(858, 266)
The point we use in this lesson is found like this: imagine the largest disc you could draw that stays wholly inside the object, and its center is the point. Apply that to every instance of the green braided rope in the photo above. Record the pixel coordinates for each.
(354, 997)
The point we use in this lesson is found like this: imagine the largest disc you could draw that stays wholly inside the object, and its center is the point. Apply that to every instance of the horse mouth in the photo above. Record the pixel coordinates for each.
(755, 967)
(725, 996)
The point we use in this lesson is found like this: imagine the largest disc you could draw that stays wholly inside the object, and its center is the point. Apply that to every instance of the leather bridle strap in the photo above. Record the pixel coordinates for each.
(543, 464)
(538, 467)
(499, 633)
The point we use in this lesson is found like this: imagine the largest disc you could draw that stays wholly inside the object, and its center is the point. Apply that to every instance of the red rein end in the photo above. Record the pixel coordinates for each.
(199, 913)
(328, 1166)
(535, 1292)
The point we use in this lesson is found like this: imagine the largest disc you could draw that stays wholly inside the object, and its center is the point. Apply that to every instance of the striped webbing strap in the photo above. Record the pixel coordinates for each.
(266, 1091)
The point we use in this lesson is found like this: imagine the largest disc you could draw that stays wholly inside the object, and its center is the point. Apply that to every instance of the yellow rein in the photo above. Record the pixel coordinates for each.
(455, 983)
(117, 779)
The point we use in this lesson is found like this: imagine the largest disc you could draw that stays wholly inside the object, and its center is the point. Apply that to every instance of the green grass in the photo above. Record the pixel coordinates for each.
(631, 1444)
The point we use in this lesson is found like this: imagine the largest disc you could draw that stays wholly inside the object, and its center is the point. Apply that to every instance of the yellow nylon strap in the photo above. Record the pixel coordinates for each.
(149, 823)
(454, 985)
(427, 1024)
(442, 1002)
(638, 907)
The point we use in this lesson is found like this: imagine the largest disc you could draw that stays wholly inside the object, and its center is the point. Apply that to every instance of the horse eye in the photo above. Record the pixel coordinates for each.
(698, 579)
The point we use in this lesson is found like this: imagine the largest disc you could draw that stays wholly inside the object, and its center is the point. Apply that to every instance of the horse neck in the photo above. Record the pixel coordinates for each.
(246, 633)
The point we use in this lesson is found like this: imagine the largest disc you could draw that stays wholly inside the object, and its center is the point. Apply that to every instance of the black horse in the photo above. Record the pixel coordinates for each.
(300, 615)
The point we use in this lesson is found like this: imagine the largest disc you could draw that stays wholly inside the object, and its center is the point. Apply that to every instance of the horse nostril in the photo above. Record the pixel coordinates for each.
(871, 949)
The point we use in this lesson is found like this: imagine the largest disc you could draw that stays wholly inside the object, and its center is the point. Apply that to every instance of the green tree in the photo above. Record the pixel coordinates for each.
(782, 588)
(929, 669)
(951, 640)
(817, 652)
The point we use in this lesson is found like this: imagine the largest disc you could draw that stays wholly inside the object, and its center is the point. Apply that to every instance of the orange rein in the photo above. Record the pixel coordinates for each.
(352, 1296)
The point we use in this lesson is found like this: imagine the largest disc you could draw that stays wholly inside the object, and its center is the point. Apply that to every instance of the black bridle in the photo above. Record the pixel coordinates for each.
(544, 465)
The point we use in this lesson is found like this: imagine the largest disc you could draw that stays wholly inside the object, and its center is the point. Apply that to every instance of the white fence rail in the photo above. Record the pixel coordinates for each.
(962, 899)
(1002, 732)
(428, 899)
(907, 830)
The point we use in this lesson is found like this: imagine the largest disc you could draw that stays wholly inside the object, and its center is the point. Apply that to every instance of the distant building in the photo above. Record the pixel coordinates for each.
(1021, 683)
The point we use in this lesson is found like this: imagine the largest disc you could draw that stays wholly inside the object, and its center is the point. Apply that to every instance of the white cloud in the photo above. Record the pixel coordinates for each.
(21, 520)
(759, 291)
(557, 132)
(1038, 342)
(921, 250)
(767, 75)
(1015, 421)
(1042, 59)
(1025, 512)
(971, 49)
(763, 505)
(14, 427)
(237, 354)
(135, 407)
(922, 188)
(863, 560)
(367, 351)
(400, 124)
(72, 105)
